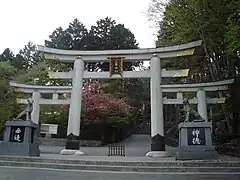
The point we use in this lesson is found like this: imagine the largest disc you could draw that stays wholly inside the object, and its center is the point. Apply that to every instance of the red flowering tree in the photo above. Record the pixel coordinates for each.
(99, 106)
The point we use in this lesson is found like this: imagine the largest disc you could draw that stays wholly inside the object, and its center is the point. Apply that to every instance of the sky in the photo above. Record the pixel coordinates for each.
(34, 20)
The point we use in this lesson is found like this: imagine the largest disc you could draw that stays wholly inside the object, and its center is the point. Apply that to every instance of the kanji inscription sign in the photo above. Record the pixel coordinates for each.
(196, 136)
(17, 134)
(116, 66)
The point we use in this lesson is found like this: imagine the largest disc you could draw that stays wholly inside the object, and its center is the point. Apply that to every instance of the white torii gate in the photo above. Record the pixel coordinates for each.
(155, 74)
(201, 102)
(200, 88)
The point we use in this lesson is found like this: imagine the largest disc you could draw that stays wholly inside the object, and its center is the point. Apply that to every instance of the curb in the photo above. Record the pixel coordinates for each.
(162, 163)
(162, 169)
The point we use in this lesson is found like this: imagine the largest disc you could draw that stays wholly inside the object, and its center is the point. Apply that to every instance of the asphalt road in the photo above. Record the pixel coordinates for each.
(11, 173)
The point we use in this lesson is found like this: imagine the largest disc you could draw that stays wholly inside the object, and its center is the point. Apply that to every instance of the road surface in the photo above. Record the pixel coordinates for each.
(10, 173)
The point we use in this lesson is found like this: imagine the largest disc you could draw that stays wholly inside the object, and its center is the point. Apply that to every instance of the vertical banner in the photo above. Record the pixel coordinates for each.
(116, 66)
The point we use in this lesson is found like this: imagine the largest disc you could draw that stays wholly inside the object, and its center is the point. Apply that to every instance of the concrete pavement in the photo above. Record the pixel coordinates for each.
(11, 173)
(136, 146)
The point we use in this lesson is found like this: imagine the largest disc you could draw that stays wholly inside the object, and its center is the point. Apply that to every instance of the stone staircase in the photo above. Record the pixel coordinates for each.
(122, 164)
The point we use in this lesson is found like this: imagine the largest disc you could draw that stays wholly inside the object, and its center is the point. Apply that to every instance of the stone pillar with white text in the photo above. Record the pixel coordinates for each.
(74, 119)
(157, 121)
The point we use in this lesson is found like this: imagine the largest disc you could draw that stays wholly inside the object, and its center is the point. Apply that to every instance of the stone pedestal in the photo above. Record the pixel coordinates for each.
(20, 138)
(195, 141)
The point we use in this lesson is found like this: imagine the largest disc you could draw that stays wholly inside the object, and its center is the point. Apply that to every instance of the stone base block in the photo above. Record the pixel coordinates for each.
(157, 154)
(196, 155)
(195, 141)
(19, 149)
(79, 153)
(20, 138)
(73, 142)
(71, 152)
(158, 143)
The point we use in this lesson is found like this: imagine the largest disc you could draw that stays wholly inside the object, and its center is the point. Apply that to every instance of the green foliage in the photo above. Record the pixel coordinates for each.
(115, 121)
(110, 35)
(8, 104)
(106, 34)
(70, 38)
(25, 59)
(232, 37)
(30, 55)
(215, 22)
(7, 56)
(51, 114)
(7, 72)
(37, 75)
(10, 67)
(189, 95)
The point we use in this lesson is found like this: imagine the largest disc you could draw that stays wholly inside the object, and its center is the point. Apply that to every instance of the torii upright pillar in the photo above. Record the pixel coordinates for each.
(36, 96)
(157, 121)
(202, 104)
(74, 118)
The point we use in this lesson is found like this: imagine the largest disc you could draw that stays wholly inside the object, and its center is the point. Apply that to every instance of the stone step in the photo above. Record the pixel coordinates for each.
(152, 169)
(124, 162)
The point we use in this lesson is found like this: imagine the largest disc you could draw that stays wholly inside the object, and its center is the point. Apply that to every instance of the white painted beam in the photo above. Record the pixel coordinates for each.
(164, 89)
(120, 52)
(60, 75)
(30, 90)
(212, 86)
(199, 85)
(127, 57)
(194, 101)
(126, 74)
(165, 101)
(46, 101)
(26, 88)
(130, 54)
(194, 89)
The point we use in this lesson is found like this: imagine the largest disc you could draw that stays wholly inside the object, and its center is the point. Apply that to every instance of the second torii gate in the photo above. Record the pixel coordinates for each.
(179, 89)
